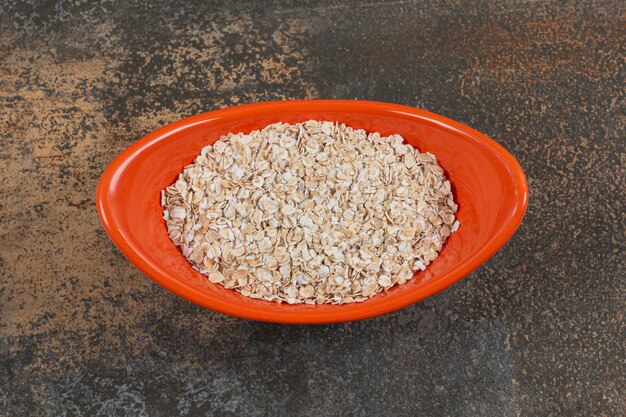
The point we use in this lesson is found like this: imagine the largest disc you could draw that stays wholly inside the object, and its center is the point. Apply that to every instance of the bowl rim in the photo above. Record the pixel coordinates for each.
(190, 293)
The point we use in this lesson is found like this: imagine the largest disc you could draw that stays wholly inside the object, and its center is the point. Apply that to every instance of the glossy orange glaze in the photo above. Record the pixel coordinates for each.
(488, 183)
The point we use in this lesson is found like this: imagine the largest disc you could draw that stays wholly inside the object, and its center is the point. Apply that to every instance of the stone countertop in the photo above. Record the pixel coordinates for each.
(538, 330)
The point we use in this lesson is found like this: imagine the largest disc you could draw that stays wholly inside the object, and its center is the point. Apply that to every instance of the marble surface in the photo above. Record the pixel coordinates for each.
(538, 330)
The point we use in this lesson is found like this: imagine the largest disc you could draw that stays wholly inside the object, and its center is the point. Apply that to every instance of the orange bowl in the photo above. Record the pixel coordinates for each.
(488, 183)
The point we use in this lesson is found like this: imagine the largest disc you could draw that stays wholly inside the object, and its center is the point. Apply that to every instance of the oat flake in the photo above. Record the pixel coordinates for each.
(313, 212)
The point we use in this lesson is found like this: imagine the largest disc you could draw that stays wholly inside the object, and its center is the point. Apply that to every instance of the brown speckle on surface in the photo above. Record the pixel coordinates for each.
(538, 330)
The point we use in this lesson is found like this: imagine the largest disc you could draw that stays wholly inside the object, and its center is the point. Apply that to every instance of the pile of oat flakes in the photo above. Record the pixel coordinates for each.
(313, 212)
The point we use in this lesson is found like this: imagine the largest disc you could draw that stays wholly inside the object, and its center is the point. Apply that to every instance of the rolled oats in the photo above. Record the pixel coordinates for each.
(313, 212)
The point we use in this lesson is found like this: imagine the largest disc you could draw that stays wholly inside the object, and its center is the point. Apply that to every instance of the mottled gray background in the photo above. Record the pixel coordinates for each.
(538, 330)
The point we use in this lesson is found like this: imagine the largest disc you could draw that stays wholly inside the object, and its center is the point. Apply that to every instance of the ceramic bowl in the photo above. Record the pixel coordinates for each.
(488, 184)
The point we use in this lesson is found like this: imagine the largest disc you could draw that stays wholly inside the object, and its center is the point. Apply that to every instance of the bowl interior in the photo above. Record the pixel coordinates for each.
(488, 185)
